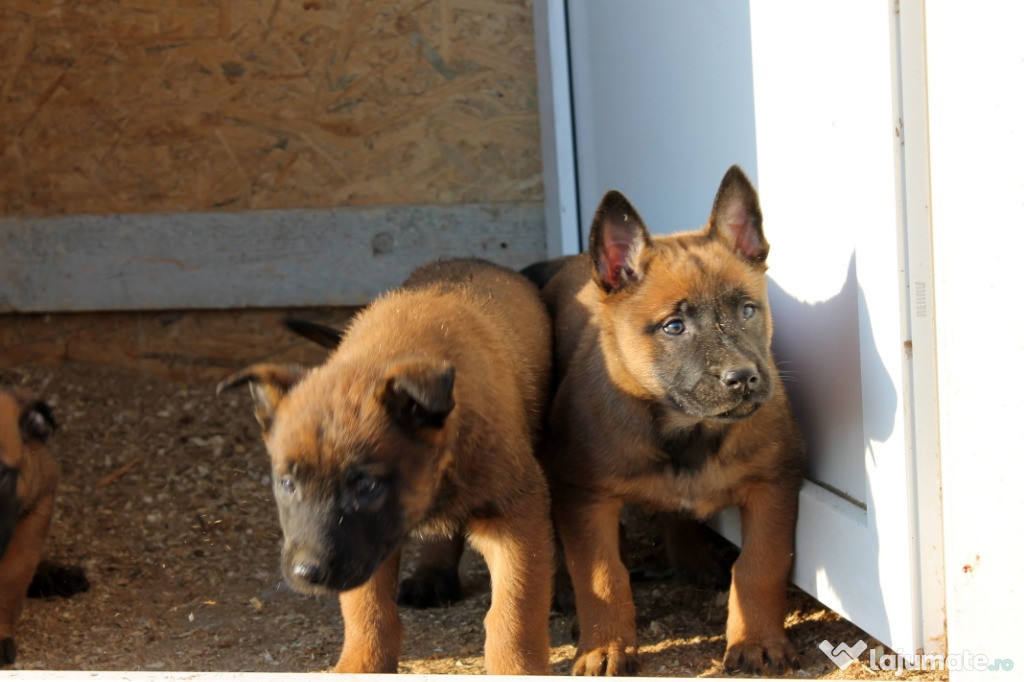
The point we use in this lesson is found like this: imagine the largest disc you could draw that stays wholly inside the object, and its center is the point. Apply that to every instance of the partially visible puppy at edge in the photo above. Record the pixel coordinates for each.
(28, 484)
(423, 420)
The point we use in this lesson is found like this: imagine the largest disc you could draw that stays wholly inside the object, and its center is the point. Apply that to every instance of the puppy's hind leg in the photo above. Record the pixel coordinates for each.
(435, 580)
(519, 551)
(693, 552)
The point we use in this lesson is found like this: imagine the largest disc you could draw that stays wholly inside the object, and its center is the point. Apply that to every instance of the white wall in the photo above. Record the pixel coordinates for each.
(651, 119)
(976, 109)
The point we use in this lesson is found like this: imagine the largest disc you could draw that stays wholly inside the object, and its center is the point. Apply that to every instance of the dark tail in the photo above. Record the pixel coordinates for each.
(540, 272)
(321, 334)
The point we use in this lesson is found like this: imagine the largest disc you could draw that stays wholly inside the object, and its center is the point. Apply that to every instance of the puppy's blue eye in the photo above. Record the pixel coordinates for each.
(674, 327)
(287, 484)
(749, 310)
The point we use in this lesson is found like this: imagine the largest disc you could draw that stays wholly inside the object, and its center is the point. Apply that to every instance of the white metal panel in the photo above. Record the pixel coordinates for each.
(919, 376)
(825, 136)
(651, 119)
(824, 144)
(976, 110)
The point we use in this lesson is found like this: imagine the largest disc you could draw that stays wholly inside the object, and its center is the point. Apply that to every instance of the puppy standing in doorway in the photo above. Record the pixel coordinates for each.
(668, 396)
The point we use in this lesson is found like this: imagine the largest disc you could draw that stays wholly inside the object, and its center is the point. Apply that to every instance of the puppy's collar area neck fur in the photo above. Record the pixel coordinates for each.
(689, 449)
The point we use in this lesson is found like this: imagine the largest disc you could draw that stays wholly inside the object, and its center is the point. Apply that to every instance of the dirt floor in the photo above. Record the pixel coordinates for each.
(165, 502)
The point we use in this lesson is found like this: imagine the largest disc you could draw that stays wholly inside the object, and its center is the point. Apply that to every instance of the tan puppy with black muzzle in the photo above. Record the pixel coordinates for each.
(668, 397)
(424, 419)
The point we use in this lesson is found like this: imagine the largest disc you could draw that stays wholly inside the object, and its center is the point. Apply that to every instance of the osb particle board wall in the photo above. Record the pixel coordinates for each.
(156, 105)
(221, 153)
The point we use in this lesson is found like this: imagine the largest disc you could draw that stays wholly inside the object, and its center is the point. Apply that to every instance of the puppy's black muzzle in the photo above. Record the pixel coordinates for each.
(335, 542)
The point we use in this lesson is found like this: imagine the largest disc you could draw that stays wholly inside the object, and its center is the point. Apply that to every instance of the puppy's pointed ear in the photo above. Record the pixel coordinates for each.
(736, 217)
(618, 239)
(419, 393)
(268, 384)
(36, 422)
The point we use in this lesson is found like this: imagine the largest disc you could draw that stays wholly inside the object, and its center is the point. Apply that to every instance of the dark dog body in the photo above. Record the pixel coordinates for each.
(28, 482)
(424, 419)
(668, 396)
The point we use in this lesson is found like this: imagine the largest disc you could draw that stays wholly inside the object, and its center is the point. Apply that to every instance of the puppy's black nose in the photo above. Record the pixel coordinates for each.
(741, 379)
(309, 572)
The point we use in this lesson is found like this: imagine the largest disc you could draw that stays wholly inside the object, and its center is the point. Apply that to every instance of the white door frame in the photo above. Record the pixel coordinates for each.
(558, 144)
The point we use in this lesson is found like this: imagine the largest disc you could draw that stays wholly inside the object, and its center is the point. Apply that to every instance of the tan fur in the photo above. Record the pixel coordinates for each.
(37, 483)
(477, 471)
(610, 416)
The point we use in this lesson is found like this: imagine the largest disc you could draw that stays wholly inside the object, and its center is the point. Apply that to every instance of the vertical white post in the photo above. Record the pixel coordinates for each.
(919, 368)
(554, 100)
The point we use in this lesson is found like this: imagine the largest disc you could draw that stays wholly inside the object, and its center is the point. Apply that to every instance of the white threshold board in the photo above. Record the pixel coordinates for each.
(272, 258)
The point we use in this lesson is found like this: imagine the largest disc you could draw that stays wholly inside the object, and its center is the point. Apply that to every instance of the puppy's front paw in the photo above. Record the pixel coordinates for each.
(613, 660)
(777, 657)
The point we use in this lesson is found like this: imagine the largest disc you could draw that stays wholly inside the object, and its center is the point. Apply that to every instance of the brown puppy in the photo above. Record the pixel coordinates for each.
(669, 397)
(435, 580)
(28, 481)
(423, 419)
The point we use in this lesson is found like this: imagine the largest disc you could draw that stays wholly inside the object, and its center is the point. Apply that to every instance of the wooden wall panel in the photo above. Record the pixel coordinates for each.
(158, 105)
